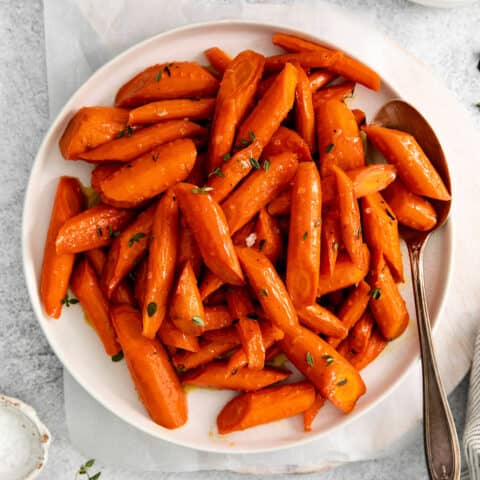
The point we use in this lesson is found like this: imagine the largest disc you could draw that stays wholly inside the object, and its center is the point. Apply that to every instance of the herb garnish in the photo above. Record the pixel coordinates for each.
(126, 132)
(118, 356)
(359, 232)
(201, 190)
(136, 238)
(305, 235)
(83, 470)
(252, 136)
(151, 309)
(198, 321)
(375, 293)
(67, 301)
(266, 165)
(329, 148)
(342, 382)
(226, 157)
(216, 171)
(309, 358)
(159, 76)
(254, 163)
(167, 70)
(328, 359)
(111, 233)
(263, 291)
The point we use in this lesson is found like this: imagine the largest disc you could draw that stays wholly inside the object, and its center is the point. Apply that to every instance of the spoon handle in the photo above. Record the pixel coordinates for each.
(441, 441)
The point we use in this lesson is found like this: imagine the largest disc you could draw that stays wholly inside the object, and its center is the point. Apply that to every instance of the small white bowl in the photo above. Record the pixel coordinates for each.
(24, 441)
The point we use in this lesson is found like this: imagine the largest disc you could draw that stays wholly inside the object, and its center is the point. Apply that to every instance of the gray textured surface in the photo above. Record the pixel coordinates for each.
(448, 40)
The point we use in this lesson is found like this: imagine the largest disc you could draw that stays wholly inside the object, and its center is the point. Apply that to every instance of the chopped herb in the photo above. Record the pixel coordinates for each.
(252, 136)
(335, 245)
(329, 148)
(136, 238)
(111, 233)
(266, 165)
(387, 211)
(202, 190)
(309, 358)
(318, 223)
(328, 359)
(305, 235)
(216, 171)
(477, 105)
(263, 291)
(254, 163)
(478, 65)
(252, 315)
(126, 132)
(359, 232)
(151, 309)
(83, 470)
(261, 244)
(234, 371)
(342, 382)
(198, 321)
(180, 368)
(99, 231)
(95, 477)
(67, 301)
(89, 463)
(244, 143)
(375, 293)
(155, 157)
(159, 76)
(167, 70)
(118, 356)
(226, 157)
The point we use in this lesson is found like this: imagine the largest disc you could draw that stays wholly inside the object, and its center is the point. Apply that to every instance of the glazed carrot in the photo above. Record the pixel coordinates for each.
(387, 305)
(179, 108)
(319, 59)
(165, 81)
(135, 143)
(217, 317)
(303, 255)
(361, 332)
(86, 288)
(337, 92)
(352, 309)
(331, 374)
(311, 412)
(173, 337)
(320, 320)
(239, 302)
(269, 288)
(281, 204)
(97, 259)
(161, 264)
(287, 140)
(331, 238)
(345, 274)
(155, 380)
(92, 228)
(258, 189)
(269, 238)
(101, 172)
(359, 116)
(304, 114)
(237, 88)
(375, 347)
(264, 406)
(152, 173)
(380, 227)
(252, 342)
(219, 59)
(209, 226)
(319, 79)
(349, 216)
(243, 236)
(188, 250)
(339, 141)
(141, 272)
(222, 335)
(56, 268)
(186, 308)
(414, 168)
(210, 283)
(410, 209)
(126, 250)
(215, 375)
(90, 127)
(345, 66)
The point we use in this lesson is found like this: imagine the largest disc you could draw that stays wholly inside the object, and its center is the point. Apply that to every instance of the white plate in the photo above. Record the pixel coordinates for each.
(76, 344)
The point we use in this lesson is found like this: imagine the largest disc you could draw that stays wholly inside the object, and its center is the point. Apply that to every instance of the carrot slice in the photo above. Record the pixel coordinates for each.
(90, 127)
(287, 140)
(155, 380)
(161, 264)
(361, 332)
(101, 172)
(165, 81)
(92, 228)
(188, 250)
(219, 59)
(303, 256)
(239, 302)
(170, 335)
(318, 59)
(331, 238)
(321, 320)
(56, 268)
(414, 168)
(336, 92)
(216, 317)
(310, 414)
(268, 236)
(265, 406)
(304, 114)
(209, 351)
(320, 78)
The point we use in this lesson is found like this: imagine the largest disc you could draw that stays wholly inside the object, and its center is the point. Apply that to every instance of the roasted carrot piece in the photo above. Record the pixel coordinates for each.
(269, 288)
(152, 173)
(380, 227)
(311, 412)
(219, 59)
(387, 305)
(170, 335)
(320, 320)
(155, 379)
(359, 116)
(165, 81)
(178, 108)
(126, 250)
(258, 189)
(188, 250)
(320, 78)
(352, 309)
(140, 286)
(92, 228)
(252, 342)
(336, 92)
(287, 140)
(339, 141)
(304, 114)
(281, 204)
(264, 406)
(87, 289)
(186, 308)
(209, 226)
(90, 127)
(345, 274)
(135, 143)
(331, 374)
(243, 236)
(375, 347)
(331, 238)
(216, 317)
(414, 168)
(345, 66)
(410, 209)
(101, 172)
(361, 332)
(319, 59)
(215, 375)
(349, 216)
(269, 238)
(56, 268)
(210, 283)
(161, 264)
(239, 302)
(303, 256)
(237, 88)
(222, 335)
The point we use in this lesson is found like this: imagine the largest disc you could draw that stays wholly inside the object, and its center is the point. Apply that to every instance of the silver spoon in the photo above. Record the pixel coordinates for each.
(441, 441)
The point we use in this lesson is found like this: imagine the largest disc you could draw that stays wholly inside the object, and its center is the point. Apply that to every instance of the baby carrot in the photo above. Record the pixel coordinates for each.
(188, 250)
(320, 320)
(170, 335)
(331, 239)
(361, 332)
(281, 204)
(318, 59)
(287, 140)
(218, 58)
(304, 114)
(269, 238)
(320, 78)
(209, 351)
(101, 172)
(311, 412)
(337, 92)
(217, 317)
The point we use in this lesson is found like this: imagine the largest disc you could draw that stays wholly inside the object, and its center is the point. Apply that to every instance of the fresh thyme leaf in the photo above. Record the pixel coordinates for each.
(151, 309)
(375, 293)
(135, 238)
(329, 148)
(252, 136)
(305, 235)
(226, 157)
(118, 356)
(266, 165)
(244, 143)
(201, 190)
(328, 359)
(126, 132)
(359, 232)
(216, 171)
(254, 163)
(198, 321)
(89, 463)
(167, 70)
(96, 476)
(159, 76)
(111, 233)
(67, 301)
(342, 382)
(263, 291)
(309, 358)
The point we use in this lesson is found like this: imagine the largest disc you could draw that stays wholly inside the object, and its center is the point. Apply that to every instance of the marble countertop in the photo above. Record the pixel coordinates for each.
(447, 40)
